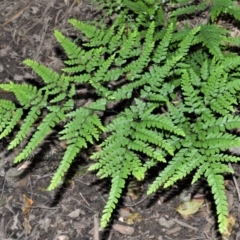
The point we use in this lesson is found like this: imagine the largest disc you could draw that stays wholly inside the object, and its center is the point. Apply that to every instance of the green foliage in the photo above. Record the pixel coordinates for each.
(178, 90)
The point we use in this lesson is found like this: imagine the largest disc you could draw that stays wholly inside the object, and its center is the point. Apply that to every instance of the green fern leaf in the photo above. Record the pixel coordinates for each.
(66, 161)
(43, 130)
(32, 116)
(175, 164)
(118, 183)
(47, 75)
(212, 37)
(16, 116)
(216, 183)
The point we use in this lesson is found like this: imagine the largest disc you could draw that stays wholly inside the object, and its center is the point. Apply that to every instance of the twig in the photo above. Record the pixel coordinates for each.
(135, 204)
(85, 200)
(45, 207)
(96, 227)
(235, 182)
(110, 235)
(184, 224)
(83, 205)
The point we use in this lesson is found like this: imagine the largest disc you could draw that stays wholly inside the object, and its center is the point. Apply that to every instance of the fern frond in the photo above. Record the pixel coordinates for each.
(26, 94)
(212, 37)
(7, 109)
(46, 74)
(117, 184)
(188, 9)
(116, 41)
(49, 121)
(66, 161)
(15, 117)
(175, 164)
(161, 50)
(219, 6)
(234, 11)
(188, 41)
(161, 122)
(190, 161)
(32, 116)
(73, 51)
(216, 182)
(191, 97)
(87, 29)
(138, 66)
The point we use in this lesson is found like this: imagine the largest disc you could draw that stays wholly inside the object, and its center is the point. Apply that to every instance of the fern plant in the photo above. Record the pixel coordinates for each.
(179, 97)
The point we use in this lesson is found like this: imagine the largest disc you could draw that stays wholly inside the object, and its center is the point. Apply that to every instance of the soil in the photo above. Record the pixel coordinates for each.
(28, 211)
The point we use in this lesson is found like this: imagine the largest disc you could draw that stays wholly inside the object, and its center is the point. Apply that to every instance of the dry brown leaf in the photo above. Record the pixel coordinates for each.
(18, 77)
(27, 204)
(27, 226)
(166, 223)
(4, 51)
(74, 214)
(126, 230)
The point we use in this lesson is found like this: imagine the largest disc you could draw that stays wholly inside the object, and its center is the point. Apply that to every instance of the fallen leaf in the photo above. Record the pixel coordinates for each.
(15, 221)
(27, 226)
(133, 218)
(18, 77)
(28, 75)
(188, 208)
(45, 223)
(126, 230)
(185, 196)
(173, 230)
(124, 212)
(34, 10)
(74, 214)
(83, 223)
(135, 190)
(166, 223)
(24, 166)
(27, 204)
(62, 237)
(4, 51)
(9, 204)
(230, 223)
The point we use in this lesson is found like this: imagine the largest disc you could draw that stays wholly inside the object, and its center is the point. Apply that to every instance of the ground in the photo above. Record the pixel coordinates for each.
(28, 211)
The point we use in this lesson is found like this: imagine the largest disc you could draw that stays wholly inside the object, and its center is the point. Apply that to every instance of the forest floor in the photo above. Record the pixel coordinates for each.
(28, 211)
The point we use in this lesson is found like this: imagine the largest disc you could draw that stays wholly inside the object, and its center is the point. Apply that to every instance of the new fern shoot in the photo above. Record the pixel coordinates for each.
(179, 95)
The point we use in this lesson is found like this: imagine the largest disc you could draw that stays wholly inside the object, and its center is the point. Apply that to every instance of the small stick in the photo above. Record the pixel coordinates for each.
(96, 227)
(133, 205)
(45, 207)
(184, 224)
(85, 200)
(110, 235)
